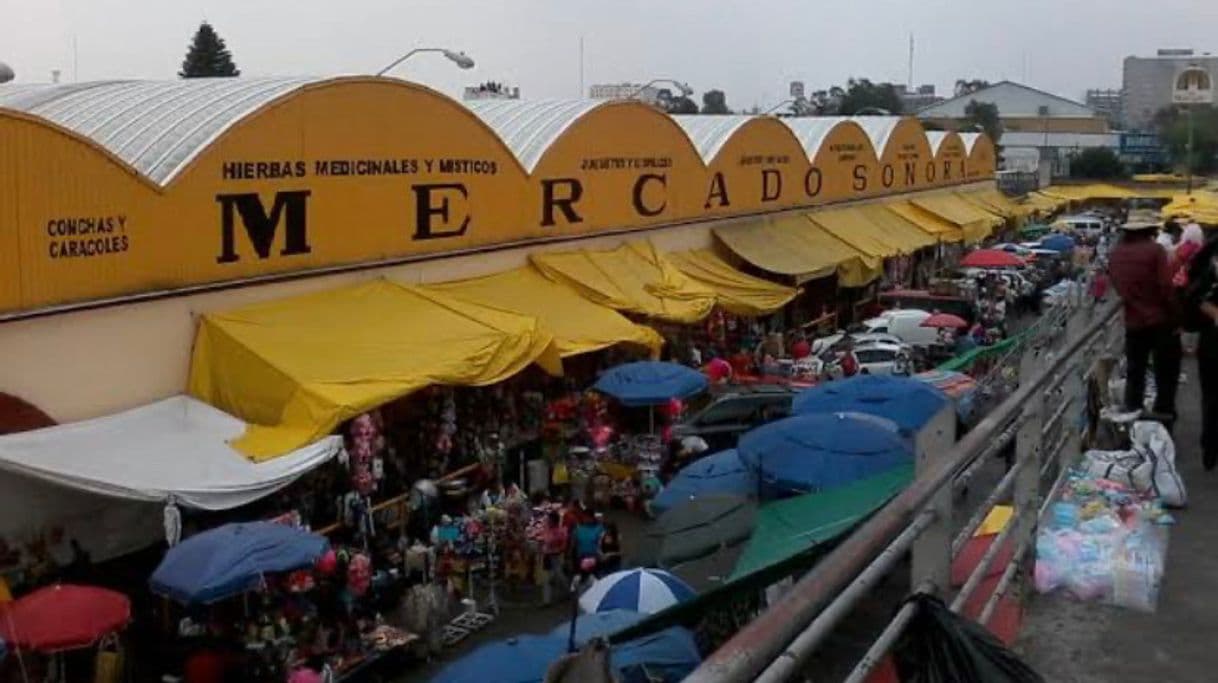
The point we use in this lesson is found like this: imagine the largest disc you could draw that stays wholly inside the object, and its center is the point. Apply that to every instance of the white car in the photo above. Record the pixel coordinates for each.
(878, 358)
(823, 344)
(905, 324)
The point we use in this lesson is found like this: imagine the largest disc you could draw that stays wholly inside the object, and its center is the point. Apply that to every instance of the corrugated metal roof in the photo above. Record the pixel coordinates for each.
(935, 138)
(709, 133)
(879, 129)
(812, 130)
(529, 127)
(157, 127)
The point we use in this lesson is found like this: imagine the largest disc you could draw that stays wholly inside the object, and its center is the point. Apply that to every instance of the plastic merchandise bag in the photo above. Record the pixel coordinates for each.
(943, 647)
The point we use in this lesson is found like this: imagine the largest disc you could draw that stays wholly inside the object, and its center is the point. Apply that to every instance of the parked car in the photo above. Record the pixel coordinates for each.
(734, 411)
(905, 324)
(835, 341)
(921, 299)
(877, 358)
(1089, 226)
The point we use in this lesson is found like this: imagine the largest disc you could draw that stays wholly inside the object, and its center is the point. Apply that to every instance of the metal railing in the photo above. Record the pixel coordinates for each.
(1039, 415)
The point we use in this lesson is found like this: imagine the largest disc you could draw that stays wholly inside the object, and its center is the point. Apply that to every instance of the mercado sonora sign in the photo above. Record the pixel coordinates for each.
(363, 171)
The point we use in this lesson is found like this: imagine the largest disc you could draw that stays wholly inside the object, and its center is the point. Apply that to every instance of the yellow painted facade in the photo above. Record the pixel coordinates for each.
(359, 171)
(951, 161)
(982, 159)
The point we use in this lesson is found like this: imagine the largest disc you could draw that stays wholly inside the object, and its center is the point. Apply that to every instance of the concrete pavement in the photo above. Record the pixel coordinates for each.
(1071, 642)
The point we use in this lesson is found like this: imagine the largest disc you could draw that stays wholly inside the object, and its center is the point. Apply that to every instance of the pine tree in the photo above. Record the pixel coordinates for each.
(207, 56)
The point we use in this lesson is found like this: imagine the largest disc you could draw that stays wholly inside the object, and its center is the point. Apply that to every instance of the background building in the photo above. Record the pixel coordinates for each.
(1147, 83)
(1038, 127)
(623, 91)
(490, 91)
(1107, 103)
(919, 98)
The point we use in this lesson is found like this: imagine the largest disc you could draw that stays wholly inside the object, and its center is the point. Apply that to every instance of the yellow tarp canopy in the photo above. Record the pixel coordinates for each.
(1090, 192)
(1200, 206)
(296, 368)
(736, 292)
(894, 226)
(853, 228)
(578, 325)
(996, 203)
(1043, 202)
(931, 224)
(793, 245)
(634, 277)
(976, 224)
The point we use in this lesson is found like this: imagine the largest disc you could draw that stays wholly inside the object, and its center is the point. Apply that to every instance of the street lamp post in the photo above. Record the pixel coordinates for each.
(461, 59)
(686, 91)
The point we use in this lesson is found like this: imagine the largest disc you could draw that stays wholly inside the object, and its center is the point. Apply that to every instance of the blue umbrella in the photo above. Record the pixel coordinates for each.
(720, 473)
(1057, 242)
(822, 451)
(515, 660)
(909, 402)
(671, 653)
(231, 559)
(650, 383)
(598, 625)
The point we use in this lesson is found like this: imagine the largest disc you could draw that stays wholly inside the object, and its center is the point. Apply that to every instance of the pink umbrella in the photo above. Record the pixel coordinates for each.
(945, 320)
(991, 258)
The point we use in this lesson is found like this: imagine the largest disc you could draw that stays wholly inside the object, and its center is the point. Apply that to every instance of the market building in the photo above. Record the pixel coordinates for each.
(169, 238)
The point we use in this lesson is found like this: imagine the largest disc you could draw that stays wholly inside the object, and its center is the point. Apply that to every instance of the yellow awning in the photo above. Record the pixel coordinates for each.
(995, 202)
(297, 368)
(794, 245)
(634, 278)
(853, 228)
(578, 325)
(1200, 206)
(976, 224)
(1043, 202)
(1089, 192)
(944, 231)
(736, 292)
(894, 226)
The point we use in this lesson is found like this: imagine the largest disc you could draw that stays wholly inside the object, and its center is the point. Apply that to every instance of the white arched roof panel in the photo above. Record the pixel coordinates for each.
(529, 127)
(935, 138)
(812, 130)
(710, 133)
(969, 139)
(158, 127)
(879, 129)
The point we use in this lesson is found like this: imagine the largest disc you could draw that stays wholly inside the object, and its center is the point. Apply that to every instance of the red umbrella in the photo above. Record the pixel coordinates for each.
(945, 320)
(991, 258)
(63, 617)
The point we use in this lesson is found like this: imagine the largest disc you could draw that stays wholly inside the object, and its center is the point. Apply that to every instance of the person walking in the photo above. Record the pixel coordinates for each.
(1201, 316)
(1139, 271)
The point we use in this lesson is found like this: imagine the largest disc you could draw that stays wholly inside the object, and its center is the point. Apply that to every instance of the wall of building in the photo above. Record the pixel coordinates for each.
(86, 363)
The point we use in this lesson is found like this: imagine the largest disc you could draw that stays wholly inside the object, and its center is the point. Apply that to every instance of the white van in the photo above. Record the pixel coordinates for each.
(1088, 226)
(905, 324)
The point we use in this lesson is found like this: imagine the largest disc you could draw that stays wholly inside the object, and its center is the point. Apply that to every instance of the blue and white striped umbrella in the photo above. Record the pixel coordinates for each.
(639, 590)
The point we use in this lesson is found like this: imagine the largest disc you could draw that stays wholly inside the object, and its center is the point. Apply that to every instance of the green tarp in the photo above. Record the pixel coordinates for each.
(787, 528)
(804, 529)
(965, 360)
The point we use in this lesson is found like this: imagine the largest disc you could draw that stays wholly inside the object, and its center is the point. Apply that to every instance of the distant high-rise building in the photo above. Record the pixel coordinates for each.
(1107, 103)
(1147, 86)
(490, 91)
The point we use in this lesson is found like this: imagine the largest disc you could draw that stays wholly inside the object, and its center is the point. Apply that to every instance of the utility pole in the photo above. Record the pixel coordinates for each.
(909, 85)
(1188, 152)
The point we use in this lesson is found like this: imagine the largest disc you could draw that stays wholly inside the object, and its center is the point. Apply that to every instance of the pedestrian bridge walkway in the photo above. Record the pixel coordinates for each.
(1071, 642)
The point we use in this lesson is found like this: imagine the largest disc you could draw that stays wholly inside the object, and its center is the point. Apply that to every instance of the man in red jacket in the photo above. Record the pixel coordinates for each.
(1140, 272)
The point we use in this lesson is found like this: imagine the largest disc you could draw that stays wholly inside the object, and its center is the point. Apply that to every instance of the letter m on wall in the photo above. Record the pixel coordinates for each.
(261, 226)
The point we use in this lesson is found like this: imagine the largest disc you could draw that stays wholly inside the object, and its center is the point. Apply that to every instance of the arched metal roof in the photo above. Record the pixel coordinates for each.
(529, 127)
(879, 129)
(710, 133)
(812, 130)
(935, 138)
(969, 140)
(157, 127)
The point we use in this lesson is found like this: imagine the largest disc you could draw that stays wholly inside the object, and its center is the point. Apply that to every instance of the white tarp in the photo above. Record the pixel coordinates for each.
(176, 449)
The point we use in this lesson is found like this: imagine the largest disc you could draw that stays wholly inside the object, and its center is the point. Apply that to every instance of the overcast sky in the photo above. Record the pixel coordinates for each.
(751, 49)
